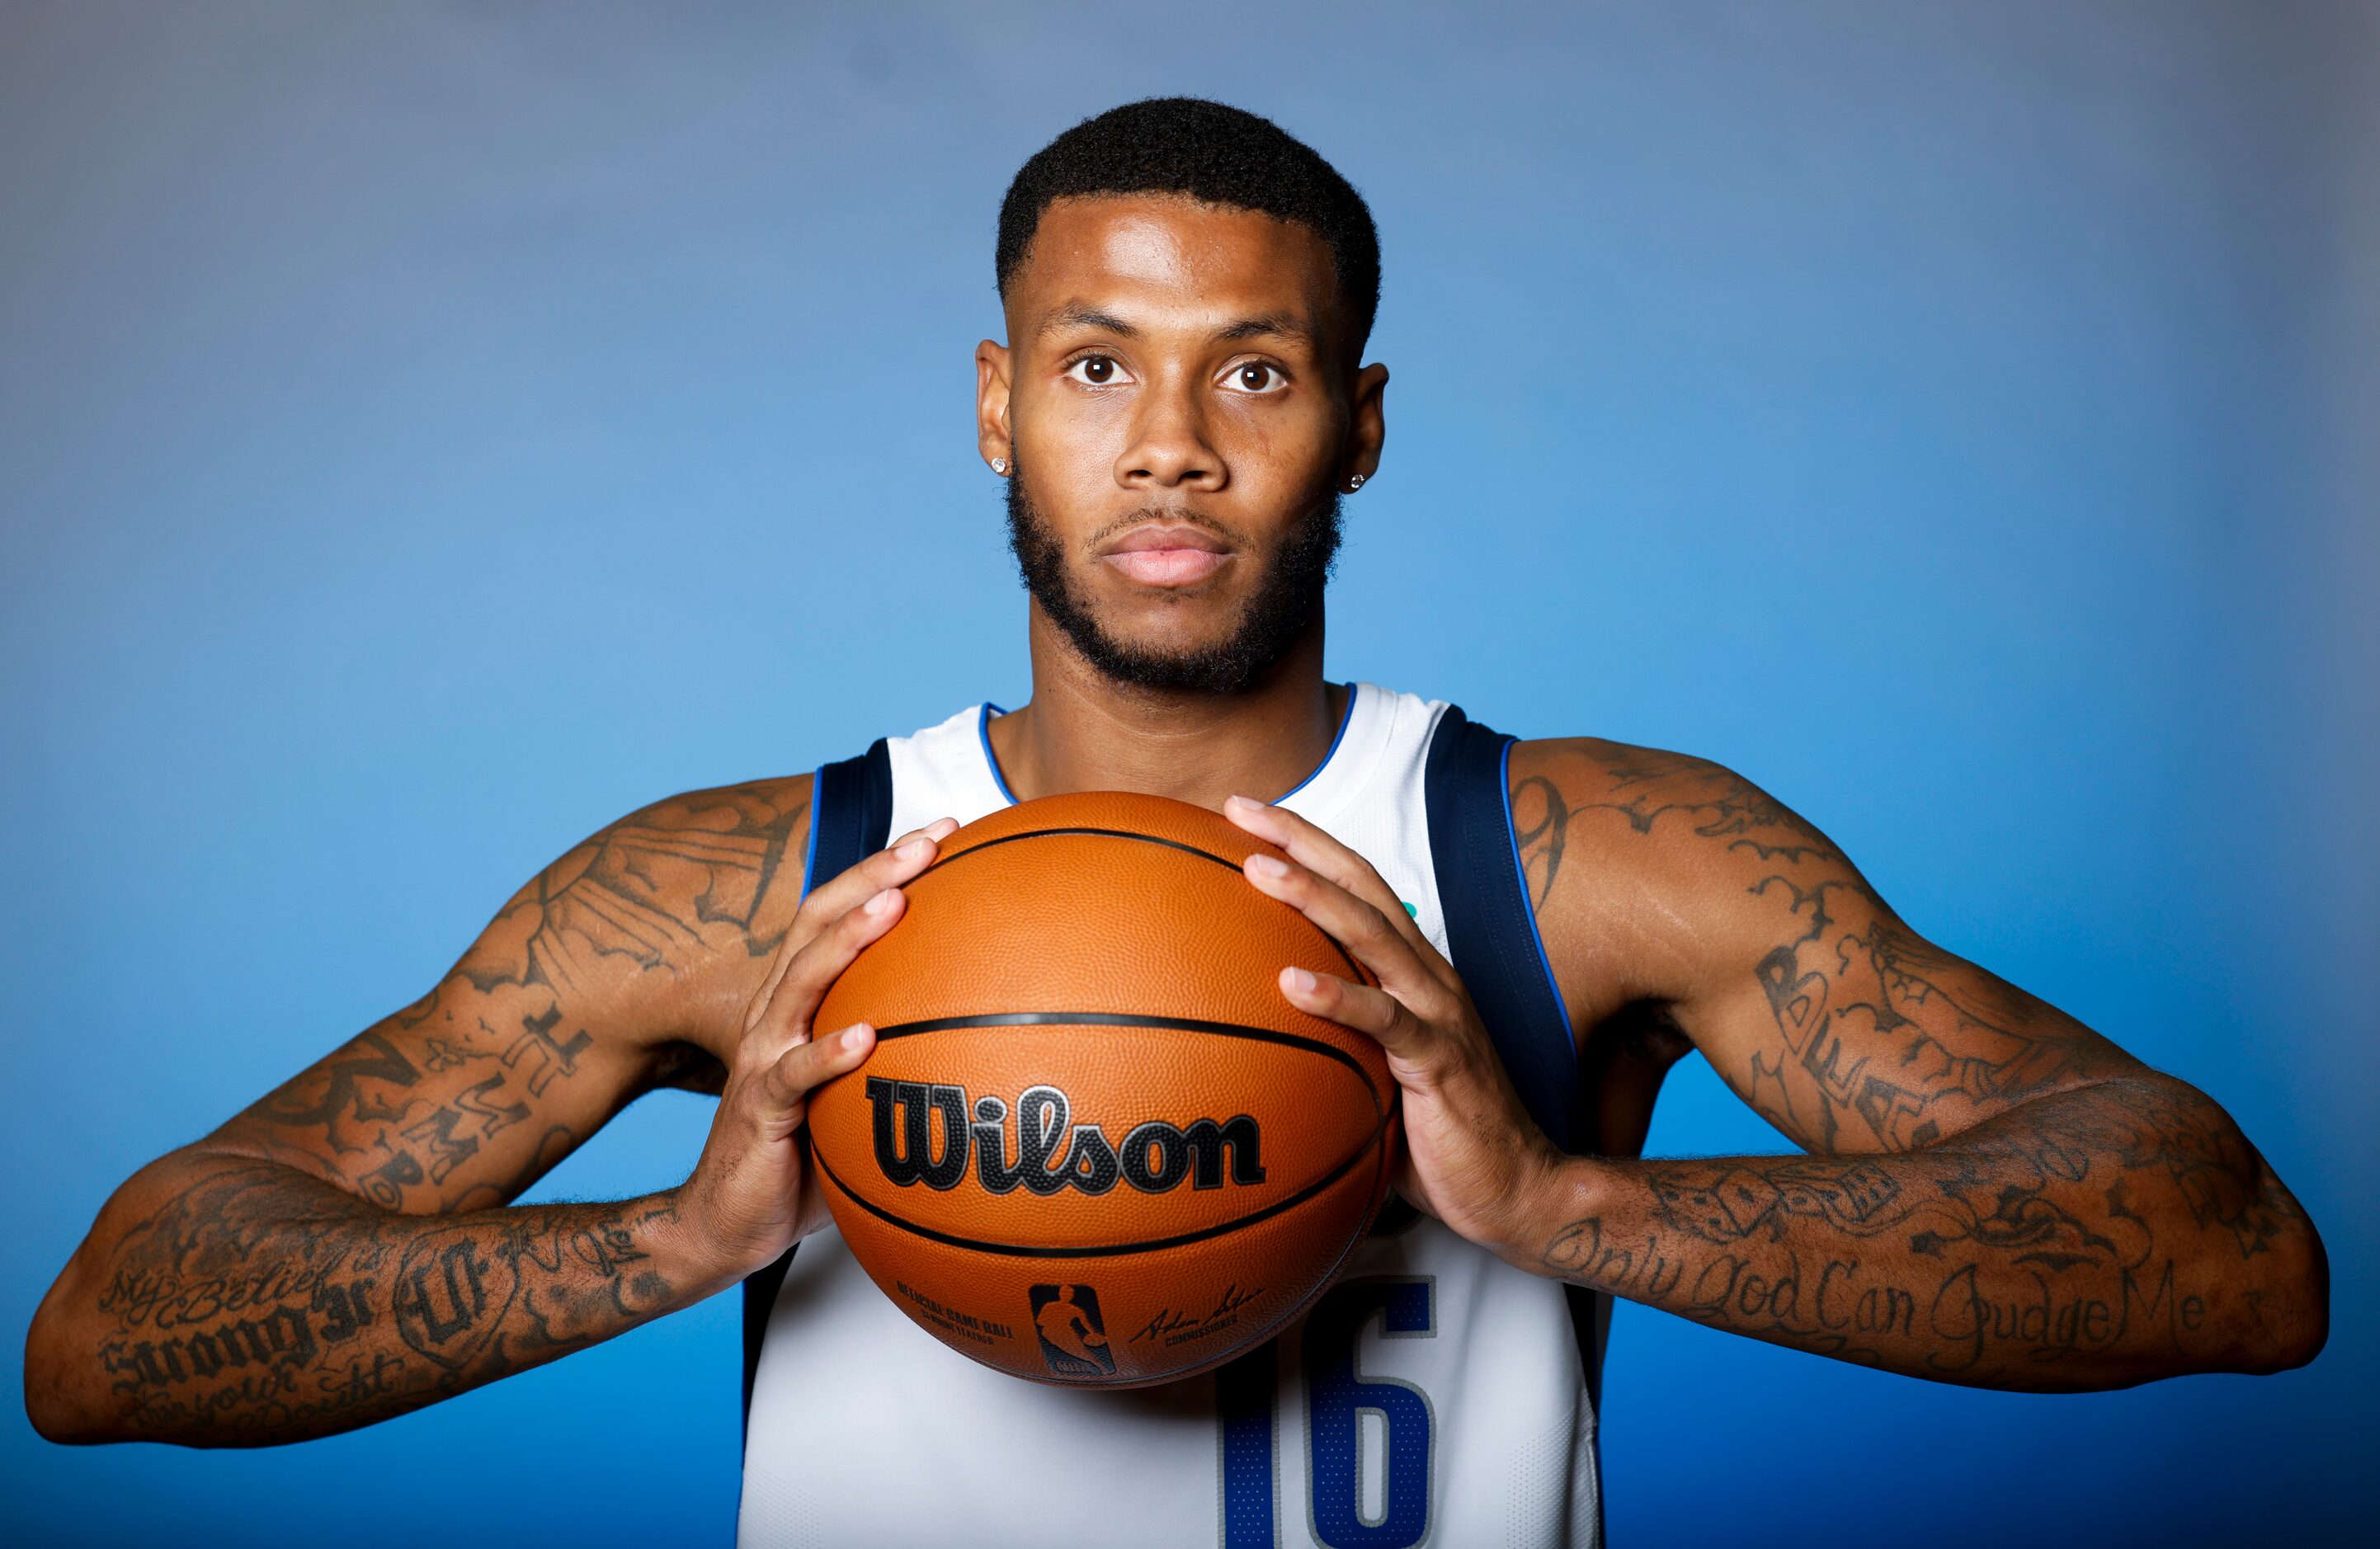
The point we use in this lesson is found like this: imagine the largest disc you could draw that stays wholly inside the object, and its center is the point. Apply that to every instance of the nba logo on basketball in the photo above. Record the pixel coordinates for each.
(1073, 1339)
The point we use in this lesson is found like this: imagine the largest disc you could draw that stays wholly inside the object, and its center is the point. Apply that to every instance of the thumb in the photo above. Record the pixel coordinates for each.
(782, 1091)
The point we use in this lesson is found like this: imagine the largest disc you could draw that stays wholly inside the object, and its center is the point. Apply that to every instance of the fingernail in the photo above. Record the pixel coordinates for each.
(913, 851)
(854, 1037)
(1268, 865)
(882, 901)
(1298, 979)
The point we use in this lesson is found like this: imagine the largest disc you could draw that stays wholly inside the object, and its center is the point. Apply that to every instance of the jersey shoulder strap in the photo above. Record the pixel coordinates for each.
(1491, 930)
(1492, 938)
(851, 817)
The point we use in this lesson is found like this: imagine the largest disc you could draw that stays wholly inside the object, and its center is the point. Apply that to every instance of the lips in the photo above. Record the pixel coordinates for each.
(1166, 554)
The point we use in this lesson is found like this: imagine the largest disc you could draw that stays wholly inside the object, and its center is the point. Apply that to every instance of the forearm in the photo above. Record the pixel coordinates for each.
(223, 1301)
(2095, 1237)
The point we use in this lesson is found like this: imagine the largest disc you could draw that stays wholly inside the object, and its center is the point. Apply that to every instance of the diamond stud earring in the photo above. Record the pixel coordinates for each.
(999, 464)
(1354, 482)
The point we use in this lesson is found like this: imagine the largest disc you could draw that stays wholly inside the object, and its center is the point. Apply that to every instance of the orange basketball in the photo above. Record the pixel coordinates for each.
(1094, 1144)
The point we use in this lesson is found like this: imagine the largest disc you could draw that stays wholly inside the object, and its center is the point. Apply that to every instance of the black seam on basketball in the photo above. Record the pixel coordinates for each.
(1015, 1249)
(1091, 833)
(1133, 1019)
(1354, 972)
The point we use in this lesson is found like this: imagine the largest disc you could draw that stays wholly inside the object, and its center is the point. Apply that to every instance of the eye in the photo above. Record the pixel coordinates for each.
(1256, 376)
(1097, 370)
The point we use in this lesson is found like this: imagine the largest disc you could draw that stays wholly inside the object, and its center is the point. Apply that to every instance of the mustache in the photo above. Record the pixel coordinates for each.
(1176, 515)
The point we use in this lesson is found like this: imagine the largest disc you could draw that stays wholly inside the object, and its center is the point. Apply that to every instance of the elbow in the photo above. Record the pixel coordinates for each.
(68, 1390)
(2277, 1301)
(57, 1419)
(51, 1402)
(2290, 1308)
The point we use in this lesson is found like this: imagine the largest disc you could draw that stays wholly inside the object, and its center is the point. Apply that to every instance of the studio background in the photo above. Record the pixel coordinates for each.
(428, 431)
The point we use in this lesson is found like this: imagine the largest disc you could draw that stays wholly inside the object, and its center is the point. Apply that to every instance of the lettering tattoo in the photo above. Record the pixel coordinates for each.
(265, 1305)
(2037, 1251)
(1995, 1194)
(452, 1104)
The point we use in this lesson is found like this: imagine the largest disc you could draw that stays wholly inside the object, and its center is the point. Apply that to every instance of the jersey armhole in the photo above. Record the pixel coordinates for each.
(851, 817)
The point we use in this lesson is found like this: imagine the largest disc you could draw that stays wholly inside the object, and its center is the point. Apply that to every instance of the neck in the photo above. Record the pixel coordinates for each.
(1086, 732)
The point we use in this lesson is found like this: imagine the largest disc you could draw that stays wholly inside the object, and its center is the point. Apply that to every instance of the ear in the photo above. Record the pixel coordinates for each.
(1367, 425)
(992, 437)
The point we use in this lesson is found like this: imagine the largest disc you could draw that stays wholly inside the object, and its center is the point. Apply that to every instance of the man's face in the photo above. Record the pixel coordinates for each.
(1179, 406)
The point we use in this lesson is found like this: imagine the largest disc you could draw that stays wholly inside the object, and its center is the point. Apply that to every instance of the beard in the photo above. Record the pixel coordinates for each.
(1287, 602)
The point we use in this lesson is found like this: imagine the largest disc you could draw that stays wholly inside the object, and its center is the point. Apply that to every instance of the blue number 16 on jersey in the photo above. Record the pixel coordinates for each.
(1391, 1507)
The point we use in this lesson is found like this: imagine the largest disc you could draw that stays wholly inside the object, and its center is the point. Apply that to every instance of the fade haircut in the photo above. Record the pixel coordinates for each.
(1209, 152)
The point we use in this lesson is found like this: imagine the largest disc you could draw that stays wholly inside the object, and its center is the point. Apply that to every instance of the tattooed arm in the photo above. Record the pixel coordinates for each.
(343, 1251)
(255, 1304)
(1995, 1194)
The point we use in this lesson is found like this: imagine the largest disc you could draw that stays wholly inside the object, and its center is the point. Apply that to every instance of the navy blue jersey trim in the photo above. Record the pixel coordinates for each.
(1492, 938)
(1491, 931)
(851, 817)
(1521, 875)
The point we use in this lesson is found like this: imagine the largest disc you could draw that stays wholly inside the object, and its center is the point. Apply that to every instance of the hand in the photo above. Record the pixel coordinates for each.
(1472, 1156)
(753, 1193)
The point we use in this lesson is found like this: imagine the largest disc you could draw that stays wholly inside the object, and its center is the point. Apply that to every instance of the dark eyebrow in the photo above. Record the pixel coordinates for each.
(1075, 316)
(1281, 325)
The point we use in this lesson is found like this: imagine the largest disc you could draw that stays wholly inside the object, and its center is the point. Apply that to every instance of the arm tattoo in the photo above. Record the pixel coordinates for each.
(450, 1104)
(338, 1253)
(1997, 1194)
(260, 1306)
(2053, 1248)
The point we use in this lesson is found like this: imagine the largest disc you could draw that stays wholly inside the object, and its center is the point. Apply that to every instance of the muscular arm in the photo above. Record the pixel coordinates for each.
(342, 1252)
(1993, 1194)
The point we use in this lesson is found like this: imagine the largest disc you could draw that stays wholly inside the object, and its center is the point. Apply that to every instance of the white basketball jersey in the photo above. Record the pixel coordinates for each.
(1435, 1396)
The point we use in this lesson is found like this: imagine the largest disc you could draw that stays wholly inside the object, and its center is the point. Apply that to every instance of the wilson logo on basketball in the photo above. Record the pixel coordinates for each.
(1047, 1151)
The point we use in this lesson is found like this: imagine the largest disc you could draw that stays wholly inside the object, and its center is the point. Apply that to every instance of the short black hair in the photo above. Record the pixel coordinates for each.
(1209, 151)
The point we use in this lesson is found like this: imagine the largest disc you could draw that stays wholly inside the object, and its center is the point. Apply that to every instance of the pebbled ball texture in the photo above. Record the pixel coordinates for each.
(1094, 1144)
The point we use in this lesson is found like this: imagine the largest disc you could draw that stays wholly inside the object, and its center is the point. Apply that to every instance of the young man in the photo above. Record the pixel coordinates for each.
(1990, 1193)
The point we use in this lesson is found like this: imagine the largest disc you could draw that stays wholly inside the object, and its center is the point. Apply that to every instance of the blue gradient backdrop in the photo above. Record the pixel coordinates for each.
(428, 431)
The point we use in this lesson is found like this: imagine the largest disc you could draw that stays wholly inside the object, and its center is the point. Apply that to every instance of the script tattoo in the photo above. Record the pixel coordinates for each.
(260, 1303)
(1996, 1194)
(445, 1106)
(2029, 1258)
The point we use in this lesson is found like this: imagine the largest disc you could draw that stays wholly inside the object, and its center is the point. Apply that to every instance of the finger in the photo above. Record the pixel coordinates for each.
(897, 863)
(1309, 846)
(784, 1087)
(1355, 924)
(889, 867)
(937, 830)
(822, 958)
(1371, 1011)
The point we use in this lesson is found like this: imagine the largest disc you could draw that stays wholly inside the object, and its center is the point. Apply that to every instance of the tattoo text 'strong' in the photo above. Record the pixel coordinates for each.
(259, 1306)
(336, 1252)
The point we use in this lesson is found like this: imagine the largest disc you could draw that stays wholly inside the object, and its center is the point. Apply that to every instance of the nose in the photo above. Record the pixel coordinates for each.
(1169, 448)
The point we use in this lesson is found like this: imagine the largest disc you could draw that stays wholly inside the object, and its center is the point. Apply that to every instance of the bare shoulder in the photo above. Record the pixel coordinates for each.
(1684, 806)
(623, 966)
(1650, 815)
(1666, 879)
(699, 871)
(682, 900)
(1631, 853)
